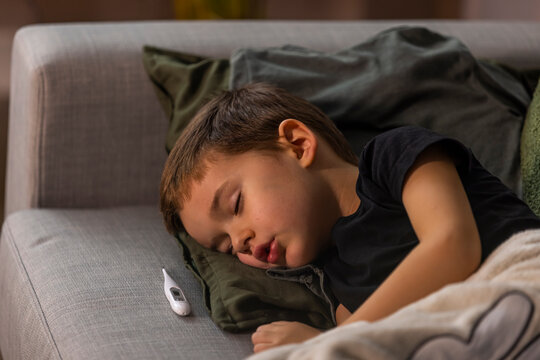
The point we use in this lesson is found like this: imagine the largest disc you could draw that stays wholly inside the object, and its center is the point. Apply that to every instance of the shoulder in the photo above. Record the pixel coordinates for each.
(387, 158)
(403, 137)
(396, 145)
(408, 141)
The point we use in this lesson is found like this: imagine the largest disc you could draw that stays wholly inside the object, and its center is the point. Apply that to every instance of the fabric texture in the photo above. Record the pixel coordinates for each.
(403, 76)
(183, 83)
(530, 154)
(89, 285)
(240, 297)
(372, 242)
(84, 115)
(86, 130)
(492, 315)
(24, 332)
(402, 65)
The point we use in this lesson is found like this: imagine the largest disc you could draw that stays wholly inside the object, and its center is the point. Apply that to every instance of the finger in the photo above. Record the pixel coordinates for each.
(268, 328)
(259, 337)
(261, 347)
(281, 323)
(265, 327)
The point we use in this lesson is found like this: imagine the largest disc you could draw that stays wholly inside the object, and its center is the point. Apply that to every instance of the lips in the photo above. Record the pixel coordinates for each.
(268, 252)
(273, 255)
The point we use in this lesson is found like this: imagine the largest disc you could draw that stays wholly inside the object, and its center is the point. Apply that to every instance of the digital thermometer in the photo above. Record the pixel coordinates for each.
(175, 295)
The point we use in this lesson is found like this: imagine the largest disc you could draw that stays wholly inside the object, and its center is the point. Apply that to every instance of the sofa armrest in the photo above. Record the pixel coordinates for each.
(86, 129)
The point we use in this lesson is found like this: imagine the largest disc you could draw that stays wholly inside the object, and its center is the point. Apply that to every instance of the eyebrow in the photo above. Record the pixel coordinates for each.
(217, 196)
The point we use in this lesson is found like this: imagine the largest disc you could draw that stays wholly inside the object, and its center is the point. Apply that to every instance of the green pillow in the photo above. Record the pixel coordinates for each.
(240, 297)
(183, 83)
(236, 295)
(403, 76)
(530, 154)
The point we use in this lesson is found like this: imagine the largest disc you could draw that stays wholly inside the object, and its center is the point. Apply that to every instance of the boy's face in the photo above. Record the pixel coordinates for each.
(268, 210)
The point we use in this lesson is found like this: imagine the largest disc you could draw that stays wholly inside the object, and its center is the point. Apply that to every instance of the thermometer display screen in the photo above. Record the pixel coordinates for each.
(177, 294)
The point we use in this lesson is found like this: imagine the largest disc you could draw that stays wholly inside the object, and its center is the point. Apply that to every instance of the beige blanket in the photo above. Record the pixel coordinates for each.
(495, 314)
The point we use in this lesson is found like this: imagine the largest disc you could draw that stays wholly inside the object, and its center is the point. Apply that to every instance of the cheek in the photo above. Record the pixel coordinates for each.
(284, 204)
(302, 252)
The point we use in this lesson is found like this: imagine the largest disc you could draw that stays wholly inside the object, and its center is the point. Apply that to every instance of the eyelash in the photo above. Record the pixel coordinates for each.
(237, 205)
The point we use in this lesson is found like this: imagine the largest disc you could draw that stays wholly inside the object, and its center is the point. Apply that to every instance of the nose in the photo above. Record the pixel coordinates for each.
(241, 241)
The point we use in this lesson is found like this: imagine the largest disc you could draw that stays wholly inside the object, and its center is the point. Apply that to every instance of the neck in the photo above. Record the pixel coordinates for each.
(344, 188)
(341, 178)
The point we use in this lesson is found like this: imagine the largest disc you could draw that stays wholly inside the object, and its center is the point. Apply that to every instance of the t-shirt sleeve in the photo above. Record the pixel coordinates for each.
(387, 158)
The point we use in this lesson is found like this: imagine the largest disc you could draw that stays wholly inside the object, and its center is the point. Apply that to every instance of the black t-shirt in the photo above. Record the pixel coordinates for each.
(370, 243)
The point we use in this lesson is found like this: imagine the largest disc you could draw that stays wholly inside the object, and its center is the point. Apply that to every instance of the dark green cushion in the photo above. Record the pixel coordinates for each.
(396, 78)
(240, 297)
(236, 295)
(404, 76)
(183, 83)
(530, 154)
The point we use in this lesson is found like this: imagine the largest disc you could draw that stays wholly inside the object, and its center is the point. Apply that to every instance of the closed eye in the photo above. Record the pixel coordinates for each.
(237, 205)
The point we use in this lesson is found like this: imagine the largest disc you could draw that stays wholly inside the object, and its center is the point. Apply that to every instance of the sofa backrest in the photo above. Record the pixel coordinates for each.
(86, 128)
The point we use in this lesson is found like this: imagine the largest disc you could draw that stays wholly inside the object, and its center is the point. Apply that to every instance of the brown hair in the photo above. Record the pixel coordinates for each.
(235, 122)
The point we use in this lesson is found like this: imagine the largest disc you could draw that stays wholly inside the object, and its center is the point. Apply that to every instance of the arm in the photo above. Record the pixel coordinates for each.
(449, 248)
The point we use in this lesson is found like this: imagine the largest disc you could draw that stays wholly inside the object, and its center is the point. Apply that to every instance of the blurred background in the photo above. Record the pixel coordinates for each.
(17, 13)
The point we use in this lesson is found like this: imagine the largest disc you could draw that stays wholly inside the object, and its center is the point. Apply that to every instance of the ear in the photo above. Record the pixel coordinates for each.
(299, 140)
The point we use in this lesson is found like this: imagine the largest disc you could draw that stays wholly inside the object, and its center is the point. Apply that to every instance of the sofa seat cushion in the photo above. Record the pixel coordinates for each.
(93, 279)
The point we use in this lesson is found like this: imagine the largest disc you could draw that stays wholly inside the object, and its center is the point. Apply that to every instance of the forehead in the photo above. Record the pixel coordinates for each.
(216, 165)
(212, 171)
(216, 168)
(220, 172)
(196, 201)
(220, 169)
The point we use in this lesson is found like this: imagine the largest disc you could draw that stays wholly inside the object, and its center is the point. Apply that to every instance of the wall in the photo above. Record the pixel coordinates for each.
(313, 9)
(501, 9)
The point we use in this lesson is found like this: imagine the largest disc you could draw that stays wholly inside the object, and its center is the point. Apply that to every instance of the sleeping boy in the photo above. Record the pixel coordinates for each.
(267, 177)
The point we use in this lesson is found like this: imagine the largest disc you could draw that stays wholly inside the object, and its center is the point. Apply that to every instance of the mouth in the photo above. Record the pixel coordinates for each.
(268, 252)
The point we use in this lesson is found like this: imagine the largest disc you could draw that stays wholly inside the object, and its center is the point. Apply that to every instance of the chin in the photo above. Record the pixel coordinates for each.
(295, 263)
(299, 257)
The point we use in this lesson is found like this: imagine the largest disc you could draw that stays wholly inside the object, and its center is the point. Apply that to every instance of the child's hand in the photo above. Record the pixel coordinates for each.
(281, 333)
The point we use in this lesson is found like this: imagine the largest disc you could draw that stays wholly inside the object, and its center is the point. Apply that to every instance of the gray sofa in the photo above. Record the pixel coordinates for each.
(83, 243)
